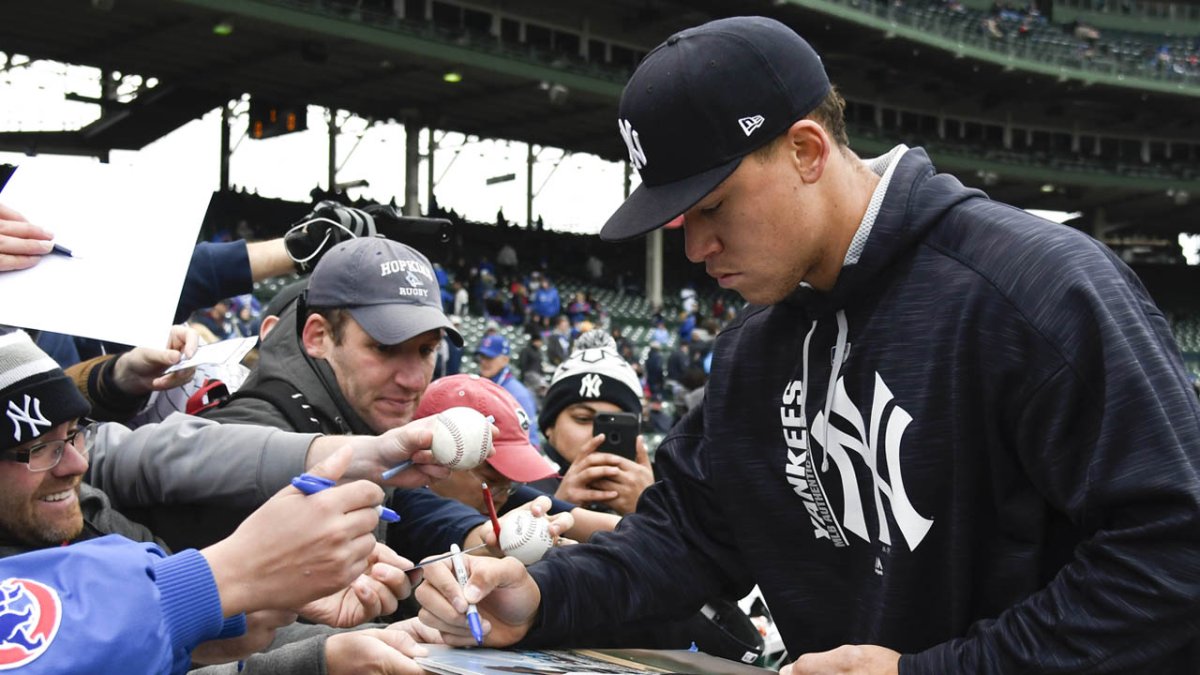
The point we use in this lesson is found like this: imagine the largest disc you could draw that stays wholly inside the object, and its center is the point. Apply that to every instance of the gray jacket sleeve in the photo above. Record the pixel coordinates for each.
(298, 649)
(189, 460)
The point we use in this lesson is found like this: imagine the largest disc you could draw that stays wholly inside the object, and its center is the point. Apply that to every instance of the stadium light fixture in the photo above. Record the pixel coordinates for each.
(223, 28)
(1048, 187)
(452, 76)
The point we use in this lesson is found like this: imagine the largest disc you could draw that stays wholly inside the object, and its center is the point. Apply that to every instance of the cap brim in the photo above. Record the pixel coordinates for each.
(649, 208)
(394, 323)
(520, 462)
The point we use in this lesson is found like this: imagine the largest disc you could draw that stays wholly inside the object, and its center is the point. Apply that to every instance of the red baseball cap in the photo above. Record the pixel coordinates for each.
(515, 456)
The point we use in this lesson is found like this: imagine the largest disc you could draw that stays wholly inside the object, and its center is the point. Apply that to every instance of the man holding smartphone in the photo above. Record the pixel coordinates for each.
(593, 381)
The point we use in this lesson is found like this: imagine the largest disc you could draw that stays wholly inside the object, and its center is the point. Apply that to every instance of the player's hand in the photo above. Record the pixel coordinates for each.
(260, 632)
(376, 651)
(296, 548)
(506, 596)
(22, 244)
(376, 592)
(847, 660)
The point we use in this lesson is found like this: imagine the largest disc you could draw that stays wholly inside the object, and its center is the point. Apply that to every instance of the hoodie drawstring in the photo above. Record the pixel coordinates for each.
(839, 354)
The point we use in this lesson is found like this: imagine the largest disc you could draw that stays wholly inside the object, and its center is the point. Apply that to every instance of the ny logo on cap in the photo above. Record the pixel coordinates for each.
(20, 417)
(637, 156)
(589, 386)
(749, 124)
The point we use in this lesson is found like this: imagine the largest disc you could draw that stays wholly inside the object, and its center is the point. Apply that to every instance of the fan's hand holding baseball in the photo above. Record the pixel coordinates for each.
(553, 527)
(372, 455)
(506, 595)
(462, 438)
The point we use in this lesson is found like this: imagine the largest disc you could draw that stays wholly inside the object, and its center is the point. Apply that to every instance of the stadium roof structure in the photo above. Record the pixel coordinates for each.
(358, 56)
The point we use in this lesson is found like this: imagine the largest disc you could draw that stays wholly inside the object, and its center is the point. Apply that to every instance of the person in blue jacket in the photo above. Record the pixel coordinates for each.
(112, 604)
(495, 356)
(946, 436)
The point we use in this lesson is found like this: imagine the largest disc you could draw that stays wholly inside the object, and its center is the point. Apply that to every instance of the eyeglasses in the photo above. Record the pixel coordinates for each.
(46, 456)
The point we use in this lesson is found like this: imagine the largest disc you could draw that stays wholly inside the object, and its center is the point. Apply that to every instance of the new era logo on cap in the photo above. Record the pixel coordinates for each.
(749, 124)
(700, 102)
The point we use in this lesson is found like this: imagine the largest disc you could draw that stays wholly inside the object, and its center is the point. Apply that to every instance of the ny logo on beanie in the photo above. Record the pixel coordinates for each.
(34, 392)
(22, 416)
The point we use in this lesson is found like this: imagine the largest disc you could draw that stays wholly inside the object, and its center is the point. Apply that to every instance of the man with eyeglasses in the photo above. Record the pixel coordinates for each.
(58, 603)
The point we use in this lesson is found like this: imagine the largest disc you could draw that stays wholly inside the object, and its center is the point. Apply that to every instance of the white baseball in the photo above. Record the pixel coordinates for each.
(462, 438)
(525, 537)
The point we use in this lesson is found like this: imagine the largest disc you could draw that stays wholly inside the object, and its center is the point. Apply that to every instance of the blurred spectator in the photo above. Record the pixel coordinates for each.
(506, 261)
(595, 270)
(653, 369)
(214, 323)
(579, 308)
(531, 364)
(660, 334)
(559, 341)
(461, 299)
(687, 297)
(493, 354)
(546, 303)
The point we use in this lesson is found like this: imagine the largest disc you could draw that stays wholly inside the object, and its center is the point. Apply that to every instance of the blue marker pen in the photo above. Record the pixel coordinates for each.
(311, 485)
(460, 570)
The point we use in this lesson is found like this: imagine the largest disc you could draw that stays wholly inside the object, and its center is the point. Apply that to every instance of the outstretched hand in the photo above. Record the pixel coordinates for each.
(141, 370)
(376, 592)
(296, 548)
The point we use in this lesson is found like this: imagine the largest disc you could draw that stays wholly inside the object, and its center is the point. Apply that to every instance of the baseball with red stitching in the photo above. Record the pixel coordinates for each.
(462, 438)
(525, 537)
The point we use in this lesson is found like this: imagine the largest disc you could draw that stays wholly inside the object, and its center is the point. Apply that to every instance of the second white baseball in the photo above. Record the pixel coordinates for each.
(525, 537)
(462, 438)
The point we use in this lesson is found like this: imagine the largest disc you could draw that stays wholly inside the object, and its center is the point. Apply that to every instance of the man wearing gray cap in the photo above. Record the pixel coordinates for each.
(946, 437)
(352, 355)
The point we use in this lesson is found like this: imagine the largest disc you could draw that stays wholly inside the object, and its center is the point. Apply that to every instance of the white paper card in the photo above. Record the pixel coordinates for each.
(132, 234)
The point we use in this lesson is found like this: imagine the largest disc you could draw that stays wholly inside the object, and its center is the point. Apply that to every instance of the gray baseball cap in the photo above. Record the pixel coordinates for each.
(389, 288)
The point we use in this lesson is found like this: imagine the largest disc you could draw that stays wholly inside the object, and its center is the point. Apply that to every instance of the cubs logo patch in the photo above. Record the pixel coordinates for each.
(30, 613)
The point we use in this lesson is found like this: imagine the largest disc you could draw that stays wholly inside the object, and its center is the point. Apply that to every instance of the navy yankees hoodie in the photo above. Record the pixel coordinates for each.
(979, 449)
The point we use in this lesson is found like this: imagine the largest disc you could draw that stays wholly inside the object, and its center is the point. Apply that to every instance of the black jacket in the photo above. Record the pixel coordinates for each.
(979, 449)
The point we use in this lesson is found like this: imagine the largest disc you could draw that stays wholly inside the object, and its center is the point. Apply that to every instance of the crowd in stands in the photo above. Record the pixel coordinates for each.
(1024, 30)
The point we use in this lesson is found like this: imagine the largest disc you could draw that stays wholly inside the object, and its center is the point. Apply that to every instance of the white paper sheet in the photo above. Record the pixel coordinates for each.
(132, 235)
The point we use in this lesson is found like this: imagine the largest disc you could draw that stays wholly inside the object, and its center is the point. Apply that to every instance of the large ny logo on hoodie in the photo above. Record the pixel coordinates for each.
(874, 444)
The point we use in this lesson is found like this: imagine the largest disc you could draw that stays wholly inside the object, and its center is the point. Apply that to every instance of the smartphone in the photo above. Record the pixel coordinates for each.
(620, 433)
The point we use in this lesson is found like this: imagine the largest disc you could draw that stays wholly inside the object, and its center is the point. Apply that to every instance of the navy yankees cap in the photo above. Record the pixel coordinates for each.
(700, 102)
(388, 287)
